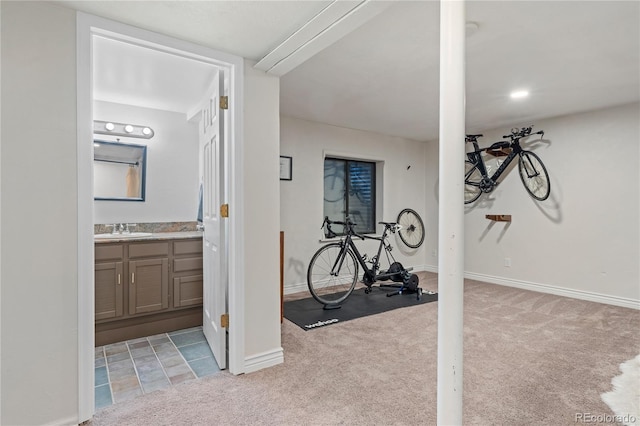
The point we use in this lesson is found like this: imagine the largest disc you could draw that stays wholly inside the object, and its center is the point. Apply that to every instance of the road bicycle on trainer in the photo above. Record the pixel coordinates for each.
(333, 270)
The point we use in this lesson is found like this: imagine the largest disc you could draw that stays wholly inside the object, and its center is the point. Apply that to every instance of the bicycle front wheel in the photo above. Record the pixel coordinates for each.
(534, 175)
(332, 274)
(472, 179)
(412, 231)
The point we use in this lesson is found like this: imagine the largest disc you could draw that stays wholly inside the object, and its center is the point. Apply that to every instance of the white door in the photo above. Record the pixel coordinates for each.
(214, 254)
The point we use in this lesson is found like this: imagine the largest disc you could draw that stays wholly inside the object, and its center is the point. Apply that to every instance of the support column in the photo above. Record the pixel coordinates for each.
(451, 211)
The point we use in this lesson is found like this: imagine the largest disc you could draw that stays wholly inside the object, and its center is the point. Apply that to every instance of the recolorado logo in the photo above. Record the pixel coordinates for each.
(321, 323)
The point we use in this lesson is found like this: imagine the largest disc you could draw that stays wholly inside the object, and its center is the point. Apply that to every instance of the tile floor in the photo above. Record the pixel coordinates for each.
(128, 369)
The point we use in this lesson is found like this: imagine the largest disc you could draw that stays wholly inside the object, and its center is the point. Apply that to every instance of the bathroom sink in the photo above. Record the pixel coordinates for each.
(126, 235)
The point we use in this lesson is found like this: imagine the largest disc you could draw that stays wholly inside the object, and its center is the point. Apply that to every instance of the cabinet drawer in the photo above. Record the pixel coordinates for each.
(187, 247)
(187, 264)
(109, 252)
(148, 249)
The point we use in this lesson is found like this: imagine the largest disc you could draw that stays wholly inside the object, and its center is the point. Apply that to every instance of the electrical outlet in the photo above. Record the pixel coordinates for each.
(507, 262)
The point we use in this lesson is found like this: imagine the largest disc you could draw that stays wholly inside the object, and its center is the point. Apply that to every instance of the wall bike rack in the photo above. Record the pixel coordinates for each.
(499, 217)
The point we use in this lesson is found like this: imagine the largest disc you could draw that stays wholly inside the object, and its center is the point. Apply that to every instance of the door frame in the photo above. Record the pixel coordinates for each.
(86, 27)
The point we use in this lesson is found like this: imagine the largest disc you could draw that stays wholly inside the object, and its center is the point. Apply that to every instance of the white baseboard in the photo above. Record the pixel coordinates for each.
(430, 268)
(296, 288)
(550, 289)
(263, 360)
(66, 421)
(559, 291)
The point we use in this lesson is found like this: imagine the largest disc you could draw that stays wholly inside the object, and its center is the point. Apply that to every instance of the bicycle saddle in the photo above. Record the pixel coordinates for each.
(479, 135)
(388, 224)
(499, 145)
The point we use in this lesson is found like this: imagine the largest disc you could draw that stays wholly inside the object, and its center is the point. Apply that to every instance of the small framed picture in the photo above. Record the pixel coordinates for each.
(286, 166)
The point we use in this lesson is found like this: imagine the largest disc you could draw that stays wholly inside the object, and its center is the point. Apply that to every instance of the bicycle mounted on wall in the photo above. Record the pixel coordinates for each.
(533, 173)
(333, 270)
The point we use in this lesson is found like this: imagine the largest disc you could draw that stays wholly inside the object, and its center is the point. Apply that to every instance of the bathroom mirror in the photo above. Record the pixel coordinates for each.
(119, 171)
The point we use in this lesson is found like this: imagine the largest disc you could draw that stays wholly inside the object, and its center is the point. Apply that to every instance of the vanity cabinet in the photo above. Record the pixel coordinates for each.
(147, 287)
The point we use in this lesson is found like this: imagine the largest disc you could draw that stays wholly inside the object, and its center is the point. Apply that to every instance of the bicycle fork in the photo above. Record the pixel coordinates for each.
(528, 165)
(337, 266)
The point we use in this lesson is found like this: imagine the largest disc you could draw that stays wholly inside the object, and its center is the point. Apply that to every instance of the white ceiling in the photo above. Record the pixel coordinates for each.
(382, 76)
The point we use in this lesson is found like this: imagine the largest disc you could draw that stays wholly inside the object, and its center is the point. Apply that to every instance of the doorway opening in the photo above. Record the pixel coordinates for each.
(231, 67)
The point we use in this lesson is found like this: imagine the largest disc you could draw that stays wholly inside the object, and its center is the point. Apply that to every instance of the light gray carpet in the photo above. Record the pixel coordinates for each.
(530, 359)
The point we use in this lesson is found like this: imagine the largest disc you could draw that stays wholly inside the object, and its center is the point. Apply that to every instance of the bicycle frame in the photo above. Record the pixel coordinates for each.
(370, 275)
(476, 158)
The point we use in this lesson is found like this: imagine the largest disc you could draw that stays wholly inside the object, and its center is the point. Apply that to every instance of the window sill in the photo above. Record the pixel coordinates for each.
(337, 239)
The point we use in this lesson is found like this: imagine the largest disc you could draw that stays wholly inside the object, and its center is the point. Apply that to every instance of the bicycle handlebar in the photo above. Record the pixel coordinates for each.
(523, 132)
(348, 224)
(391, 226)
(327, 221)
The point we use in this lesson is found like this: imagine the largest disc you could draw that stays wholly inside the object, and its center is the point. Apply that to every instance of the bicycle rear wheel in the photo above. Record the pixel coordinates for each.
(412, 231)
(534, 175)
(332, 274)
(472, 179)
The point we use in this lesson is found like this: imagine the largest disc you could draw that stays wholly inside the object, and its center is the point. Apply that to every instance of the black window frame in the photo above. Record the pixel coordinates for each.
(348, 163)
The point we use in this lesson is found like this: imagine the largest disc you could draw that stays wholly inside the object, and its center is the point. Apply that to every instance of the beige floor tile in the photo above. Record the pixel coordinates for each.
(177, 370)
(124, 384)
(172, 361)
(116, 348)
(127, 395)
(180, 378)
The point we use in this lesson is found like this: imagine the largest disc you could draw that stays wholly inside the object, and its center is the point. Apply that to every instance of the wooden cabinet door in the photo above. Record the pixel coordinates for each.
(148, 285)
(109, 281)
(187, 291)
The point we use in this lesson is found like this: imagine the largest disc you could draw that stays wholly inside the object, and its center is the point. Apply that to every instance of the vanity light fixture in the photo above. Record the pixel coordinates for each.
(122, 129)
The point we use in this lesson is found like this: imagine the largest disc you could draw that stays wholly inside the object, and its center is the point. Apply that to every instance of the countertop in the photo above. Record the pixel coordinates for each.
(156, 236)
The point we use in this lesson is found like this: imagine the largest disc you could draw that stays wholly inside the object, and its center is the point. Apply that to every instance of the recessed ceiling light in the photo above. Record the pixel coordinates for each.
(519, 94)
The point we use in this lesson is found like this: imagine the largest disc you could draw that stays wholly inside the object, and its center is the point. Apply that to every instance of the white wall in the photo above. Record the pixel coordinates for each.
(39, 311)
(39, 219)
(584, 240)
(262, 221)
(172, 180)
(302, 198)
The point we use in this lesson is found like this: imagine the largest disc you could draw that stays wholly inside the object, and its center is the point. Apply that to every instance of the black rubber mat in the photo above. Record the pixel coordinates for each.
(308, 314)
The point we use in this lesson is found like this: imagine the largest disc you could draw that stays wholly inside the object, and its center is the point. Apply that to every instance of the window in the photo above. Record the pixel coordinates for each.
(350, 190)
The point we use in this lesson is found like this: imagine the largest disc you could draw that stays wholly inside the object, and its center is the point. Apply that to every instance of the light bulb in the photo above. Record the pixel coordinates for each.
(109, 126)
(519, 94)
(146, 131)
(128, 128)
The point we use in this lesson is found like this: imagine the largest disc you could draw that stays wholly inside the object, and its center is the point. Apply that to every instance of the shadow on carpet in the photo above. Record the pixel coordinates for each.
(308, 313)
